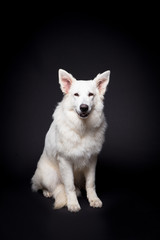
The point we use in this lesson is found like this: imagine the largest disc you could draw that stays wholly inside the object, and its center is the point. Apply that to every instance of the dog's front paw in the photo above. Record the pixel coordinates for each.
(73, 207)
(96, 203)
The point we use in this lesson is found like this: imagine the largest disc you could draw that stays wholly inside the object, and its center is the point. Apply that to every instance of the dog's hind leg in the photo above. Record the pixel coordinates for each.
(60, 197)
(46, 177)
(36, 181)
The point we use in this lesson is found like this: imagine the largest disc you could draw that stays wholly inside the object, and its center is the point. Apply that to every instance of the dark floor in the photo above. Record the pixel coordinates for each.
(131, 209)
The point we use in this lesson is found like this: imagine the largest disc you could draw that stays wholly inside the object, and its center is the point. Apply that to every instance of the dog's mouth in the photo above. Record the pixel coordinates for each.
(83, 115)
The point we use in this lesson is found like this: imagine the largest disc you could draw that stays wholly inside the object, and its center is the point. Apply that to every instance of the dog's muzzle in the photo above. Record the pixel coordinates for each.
(83, 111)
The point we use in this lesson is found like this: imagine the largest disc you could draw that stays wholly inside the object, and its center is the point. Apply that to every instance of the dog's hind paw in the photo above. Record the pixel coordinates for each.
(47, 193)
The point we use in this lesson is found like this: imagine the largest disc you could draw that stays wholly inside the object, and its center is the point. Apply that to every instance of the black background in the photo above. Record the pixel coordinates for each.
(84, 40)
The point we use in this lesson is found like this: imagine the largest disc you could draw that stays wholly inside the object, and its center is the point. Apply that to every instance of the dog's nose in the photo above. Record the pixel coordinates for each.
(84, 108)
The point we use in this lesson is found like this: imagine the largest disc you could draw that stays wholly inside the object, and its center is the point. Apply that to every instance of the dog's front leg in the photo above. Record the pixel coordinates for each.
(90, 184)
(66, 171)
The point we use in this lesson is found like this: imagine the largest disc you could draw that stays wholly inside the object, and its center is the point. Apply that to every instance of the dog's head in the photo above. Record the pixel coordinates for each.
(83, 94)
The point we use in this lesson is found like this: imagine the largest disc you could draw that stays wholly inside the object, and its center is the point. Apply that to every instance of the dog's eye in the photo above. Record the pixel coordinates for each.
(90, 94)
(76, 94)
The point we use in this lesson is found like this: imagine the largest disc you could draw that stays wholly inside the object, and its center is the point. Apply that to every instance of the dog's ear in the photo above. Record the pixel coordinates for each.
(65, 80)
(102, 81)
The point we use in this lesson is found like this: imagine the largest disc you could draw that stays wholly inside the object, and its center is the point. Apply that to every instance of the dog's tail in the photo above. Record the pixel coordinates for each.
(60, 197)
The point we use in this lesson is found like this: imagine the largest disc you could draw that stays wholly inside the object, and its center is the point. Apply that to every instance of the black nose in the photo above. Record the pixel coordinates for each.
(84, 108)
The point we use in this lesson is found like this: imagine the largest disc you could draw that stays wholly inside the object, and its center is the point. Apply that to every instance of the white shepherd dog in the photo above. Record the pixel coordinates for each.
(73, 142)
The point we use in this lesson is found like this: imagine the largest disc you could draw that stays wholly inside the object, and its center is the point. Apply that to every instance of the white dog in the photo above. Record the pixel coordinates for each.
(73, 142)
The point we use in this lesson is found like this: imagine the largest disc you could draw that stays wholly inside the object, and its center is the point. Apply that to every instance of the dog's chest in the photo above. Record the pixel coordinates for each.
(81, 146)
